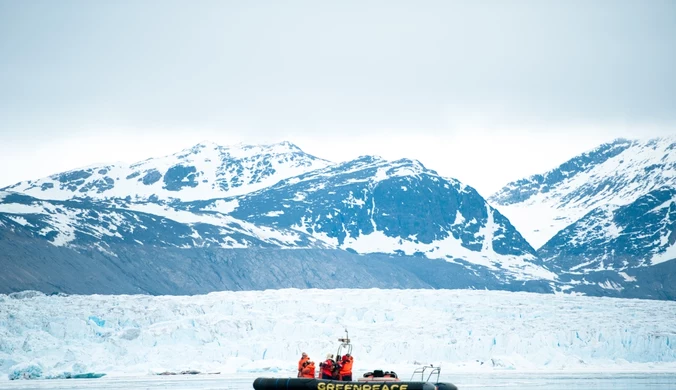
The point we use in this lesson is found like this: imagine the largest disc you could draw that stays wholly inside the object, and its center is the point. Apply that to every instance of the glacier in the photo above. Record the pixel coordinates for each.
(265, 331)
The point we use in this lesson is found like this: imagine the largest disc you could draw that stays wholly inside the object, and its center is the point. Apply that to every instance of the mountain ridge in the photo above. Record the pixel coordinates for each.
(398, 211)
(203, 170)
(615, 173)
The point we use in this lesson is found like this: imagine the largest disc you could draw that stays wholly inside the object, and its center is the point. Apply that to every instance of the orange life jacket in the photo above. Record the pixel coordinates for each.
(346, 368)
(308, 371)
(301, 361)
(327, 368)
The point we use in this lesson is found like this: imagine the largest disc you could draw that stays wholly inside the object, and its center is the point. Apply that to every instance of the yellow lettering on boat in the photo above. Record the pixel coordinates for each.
(385, 387)
(356, 387)
(403, 387)
(376, 387)
(394, 387)
(339, 386)
(321, 386)
(348, 387)
(366, 387)
(330, 386)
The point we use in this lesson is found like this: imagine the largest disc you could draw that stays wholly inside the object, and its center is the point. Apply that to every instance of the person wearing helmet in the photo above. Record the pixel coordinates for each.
(304, 358)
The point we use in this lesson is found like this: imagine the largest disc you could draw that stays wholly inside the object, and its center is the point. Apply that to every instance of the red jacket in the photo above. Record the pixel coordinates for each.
(327, 367)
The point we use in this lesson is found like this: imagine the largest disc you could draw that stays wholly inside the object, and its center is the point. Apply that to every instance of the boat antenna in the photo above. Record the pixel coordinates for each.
(344, 345)
(345, 340)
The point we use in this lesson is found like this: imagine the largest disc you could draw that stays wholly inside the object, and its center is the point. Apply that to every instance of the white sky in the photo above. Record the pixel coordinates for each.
(486, 92)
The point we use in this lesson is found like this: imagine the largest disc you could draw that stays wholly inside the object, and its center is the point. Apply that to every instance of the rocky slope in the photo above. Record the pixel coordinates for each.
(203, 171)
(614, 174)
(431, 230)
(370, 205)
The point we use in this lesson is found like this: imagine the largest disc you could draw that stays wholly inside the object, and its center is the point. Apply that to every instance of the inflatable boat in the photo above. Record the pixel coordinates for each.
(326, 384)
(376, 380)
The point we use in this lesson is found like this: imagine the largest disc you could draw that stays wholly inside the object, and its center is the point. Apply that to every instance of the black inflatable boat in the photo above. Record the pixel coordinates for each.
(376, 380)
(325, 384)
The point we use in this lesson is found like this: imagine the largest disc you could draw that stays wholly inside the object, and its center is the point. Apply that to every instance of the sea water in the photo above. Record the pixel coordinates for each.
(484, 381)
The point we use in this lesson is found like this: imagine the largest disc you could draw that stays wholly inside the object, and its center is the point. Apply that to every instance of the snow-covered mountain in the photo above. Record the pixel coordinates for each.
(262, 333)
(371, 205)
(391, 211)
(611, 237)
(273, 217)
(614, 174)
(631, 247)
(604, 221)
(82, 224)
(203, 171)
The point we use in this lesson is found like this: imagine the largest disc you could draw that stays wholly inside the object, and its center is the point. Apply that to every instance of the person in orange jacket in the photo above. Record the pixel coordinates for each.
(346, 367)
(304, 358)
(308, 370)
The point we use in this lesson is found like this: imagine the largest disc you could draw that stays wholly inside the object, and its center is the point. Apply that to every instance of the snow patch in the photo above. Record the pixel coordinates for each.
(20, 220)
(449, 248)
(352, 201)
(223, 206)
(626, 277)
(459, 219)
(668, 255)
(274, 213)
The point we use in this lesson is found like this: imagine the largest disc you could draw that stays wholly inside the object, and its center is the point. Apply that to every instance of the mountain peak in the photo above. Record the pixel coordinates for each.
(279, 147)
(615, 173)
(204, 171)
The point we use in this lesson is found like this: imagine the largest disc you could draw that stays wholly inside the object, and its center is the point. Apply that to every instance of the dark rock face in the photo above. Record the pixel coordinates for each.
(179, 176)
(618, 250)
(401, 200)
(36, 265)
(74, 176)
(100, 185)
(619, 238)
(151, 177)
(86, 224)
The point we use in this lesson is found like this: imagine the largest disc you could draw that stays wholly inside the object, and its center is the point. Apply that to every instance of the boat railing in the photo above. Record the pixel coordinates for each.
(345, 347)
(421, 371)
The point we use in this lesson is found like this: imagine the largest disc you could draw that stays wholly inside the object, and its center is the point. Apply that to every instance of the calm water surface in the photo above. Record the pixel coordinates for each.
(497, 381)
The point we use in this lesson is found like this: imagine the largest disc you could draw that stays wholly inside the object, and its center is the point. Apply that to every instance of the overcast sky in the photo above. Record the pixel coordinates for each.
(484, 91)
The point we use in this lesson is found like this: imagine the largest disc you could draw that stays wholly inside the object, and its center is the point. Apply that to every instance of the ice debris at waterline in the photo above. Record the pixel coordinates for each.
(266, 331)
(34, 371)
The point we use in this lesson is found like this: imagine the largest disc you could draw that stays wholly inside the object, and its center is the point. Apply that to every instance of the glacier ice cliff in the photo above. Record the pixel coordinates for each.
(249, 331)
